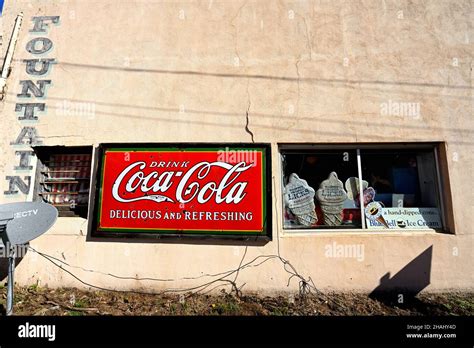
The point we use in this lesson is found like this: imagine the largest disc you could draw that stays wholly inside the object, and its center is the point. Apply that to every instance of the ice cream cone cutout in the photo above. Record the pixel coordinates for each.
(331, 197)
(299, 197)
(353, 191)
(373, 211)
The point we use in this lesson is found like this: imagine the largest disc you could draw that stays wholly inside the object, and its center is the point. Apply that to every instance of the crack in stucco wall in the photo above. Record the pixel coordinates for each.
(247, 120)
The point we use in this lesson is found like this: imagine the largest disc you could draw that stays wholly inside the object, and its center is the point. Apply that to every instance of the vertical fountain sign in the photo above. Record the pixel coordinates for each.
(193, 190)
(31, 101)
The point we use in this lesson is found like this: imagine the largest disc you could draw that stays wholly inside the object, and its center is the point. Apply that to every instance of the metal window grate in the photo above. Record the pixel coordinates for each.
(64, 182)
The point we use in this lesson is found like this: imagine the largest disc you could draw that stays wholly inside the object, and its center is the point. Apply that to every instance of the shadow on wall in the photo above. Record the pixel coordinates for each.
(20, 252)
(4, 271)
(407, 283)
(4, 274)
(4, 266)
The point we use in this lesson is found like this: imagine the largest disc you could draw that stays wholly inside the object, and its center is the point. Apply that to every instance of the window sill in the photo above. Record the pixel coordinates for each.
(340, 232)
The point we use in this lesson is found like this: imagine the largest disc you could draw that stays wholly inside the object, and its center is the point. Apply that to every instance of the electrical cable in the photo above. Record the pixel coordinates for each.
(306, 286)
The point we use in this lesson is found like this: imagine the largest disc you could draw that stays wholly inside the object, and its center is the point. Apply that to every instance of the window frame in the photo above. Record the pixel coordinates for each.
(43, 153)
(442, 184)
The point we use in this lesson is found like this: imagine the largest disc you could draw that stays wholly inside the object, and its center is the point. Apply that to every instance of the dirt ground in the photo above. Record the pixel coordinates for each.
(73, 302)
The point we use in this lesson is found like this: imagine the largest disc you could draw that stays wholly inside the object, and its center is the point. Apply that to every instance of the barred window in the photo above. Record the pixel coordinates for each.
(63, 178)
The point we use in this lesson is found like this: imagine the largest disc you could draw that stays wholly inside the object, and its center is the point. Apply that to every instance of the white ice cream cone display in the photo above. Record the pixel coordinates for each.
(299, 198)
(331, 196)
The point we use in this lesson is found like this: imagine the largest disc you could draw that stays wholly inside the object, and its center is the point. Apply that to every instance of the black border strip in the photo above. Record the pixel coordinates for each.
(94, 234)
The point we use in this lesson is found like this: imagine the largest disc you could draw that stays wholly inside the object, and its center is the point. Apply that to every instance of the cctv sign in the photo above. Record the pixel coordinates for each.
(198, 190)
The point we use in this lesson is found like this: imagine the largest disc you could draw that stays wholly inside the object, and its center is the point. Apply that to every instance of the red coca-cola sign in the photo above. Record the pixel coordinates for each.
(199, 190)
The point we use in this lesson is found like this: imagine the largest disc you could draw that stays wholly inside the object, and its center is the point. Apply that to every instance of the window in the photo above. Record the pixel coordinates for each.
(400, 187)
(63, 178)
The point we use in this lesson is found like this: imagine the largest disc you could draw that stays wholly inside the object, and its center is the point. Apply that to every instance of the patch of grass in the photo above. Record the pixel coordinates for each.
(33, 287)
(464, 304)
(184, 307)
(80, 304)
(17, 299)
(279, 311)
(224, 308)
(34, 303)
(173, 309)
(447, 306)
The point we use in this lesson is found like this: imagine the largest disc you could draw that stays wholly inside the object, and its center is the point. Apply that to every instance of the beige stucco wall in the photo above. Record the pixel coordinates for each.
(305, 71)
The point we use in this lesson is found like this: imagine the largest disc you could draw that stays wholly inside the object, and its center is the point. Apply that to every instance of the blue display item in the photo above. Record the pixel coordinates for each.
(385, 198)
(405, 180)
